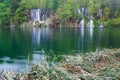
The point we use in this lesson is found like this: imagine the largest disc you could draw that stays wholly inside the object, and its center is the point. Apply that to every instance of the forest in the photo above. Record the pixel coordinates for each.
(105, 11)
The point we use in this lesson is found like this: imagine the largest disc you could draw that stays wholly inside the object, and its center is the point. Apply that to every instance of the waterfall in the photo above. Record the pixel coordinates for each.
(101, 25)
(81, 11)
(35, 15)
(91, 23)
(38, 14)
(100, 13)
(82, 23)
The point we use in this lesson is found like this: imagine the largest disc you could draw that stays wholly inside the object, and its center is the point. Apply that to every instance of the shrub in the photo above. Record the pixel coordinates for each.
(113, 22)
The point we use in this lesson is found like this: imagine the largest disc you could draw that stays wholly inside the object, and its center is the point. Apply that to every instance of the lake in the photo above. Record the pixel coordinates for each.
(17, 44)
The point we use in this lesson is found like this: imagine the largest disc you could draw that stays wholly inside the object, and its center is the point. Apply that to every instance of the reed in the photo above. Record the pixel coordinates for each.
(100, 65)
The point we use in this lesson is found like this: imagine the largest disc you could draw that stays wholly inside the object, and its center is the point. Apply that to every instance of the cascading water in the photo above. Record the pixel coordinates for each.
(38, 14)
(100, 13)
(81, 11)
(82, 23)
(101, 25)
(35, 15)
(91, 23)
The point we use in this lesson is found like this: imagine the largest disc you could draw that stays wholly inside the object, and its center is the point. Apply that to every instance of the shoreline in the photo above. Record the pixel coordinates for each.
(104, 64)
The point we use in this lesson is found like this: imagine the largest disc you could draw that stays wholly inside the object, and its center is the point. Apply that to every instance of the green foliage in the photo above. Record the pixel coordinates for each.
(65, 10)
(29, 4)
(52, 4)
(4, 11)
(20, 12)
(96, 23)
(113, 22)
(16, 11)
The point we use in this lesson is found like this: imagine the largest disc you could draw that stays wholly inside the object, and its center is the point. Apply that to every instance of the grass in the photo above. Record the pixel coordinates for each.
(99, 65)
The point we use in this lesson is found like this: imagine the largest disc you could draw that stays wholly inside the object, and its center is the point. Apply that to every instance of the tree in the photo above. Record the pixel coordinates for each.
(65, 9)
(4, 11)
(13, 7)
(16, 11)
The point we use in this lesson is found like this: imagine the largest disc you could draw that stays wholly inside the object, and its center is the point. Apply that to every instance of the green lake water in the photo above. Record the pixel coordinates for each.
(16, 44)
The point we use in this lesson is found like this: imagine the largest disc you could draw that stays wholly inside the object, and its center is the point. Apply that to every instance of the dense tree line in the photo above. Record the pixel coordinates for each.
(16, 11)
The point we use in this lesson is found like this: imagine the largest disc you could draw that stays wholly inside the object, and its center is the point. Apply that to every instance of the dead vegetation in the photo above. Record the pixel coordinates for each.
(102, 65)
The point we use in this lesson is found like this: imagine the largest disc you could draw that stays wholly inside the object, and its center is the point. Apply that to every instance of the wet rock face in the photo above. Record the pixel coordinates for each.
(53, 21)
(39, 16)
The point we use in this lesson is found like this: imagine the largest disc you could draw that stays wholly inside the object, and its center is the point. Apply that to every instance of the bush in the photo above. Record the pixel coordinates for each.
(113, 22)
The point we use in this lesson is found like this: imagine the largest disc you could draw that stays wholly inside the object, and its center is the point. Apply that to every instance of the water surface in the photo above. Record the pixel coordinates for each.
(16, 44)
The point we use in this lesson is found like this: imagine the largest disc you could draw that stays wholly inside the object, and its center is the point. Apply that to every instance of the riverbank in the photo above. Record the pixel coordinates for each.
(99, 65)
(56, 21)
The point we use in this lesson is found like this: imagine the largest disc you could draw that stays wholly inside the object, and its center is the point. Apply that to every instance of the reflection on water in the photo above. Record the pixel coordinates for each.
(82, 37)
(91, 32)
(99, 38)
(82, 31)
(16, 44)
(36, 35)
